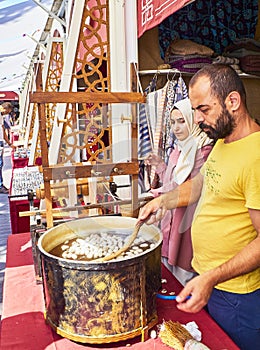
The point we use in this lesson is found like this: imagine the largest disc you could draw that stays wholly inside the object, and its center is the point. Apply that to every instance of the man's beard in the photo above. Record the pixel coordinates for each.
(225, 124)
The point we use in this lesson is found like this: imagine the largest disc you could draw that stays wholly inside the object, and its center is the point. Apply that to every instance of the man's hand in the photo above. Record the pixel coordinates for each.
(199, 289)
(153, 211)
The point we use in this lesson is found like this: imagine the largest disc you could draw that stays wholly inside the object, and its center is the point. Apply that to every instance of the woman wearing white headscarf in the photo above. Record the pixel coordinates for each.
(191, 148)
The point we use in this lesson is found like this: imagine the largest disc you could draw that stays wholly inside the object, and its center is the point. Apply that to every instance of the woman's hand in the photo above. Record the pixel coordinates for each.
(153, 160)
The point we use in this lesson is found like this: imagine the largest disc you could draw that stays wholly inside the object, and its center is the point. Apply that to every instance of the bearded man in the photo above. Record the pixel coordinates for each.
(226, 225)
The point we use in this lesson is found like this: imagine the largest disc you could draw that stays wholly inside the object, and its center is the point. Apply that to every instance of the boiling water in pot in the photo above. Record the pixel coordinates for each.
(100, 302)
(98, 245)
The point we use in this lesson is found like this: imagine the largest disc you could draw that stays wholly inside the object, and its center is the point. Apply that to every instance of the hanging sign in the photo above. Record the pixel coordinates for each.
(152, 12)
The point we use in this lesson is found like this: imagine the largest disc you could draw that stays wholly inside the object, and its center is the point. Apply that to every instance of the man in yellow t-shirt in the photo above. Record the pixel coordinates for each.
(222, 225)
(226, 225)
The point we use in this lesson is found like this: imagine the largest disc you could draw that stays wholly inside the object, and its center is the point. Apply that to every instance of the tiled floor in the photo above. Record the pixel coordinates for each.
(5, 223)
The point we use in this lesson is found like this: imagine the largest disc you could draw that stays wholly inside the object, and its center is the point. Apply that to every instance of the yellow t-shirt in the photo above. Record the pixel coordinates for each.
(222, 225)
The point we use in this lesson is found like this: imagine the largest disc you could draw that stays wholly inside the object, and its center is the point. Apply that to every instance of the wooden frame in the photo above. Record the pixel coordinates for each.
(77, 170)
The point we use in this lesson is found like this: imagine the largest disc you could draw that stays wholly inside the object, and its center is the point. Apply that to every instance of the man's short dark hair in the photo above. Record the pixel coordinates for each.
(223, 80)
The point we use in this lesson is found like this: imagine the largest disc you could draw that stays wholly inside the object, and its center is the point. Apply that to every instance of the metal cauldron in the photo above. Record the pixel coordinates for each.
(93, 302)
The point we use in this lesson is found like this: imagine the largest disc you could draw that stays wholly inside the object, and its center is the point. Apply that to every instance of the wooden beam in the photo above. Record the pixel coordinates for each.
(62, 171)
(86, 97)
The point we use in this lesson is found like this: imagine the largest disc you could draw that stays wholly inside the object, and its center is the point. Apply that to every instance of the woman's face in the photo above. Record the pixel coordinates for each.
(179, 126)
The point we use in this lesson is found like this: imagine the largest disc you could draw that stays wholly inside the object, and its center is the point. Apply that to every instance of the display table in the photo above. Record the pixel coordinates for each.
(23, 179)
(24, 327)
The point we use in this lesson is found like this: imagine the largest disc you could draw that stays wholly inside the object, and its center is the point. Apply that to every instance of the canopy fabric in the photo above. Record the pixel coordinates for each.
(19, 19)
(152, 12)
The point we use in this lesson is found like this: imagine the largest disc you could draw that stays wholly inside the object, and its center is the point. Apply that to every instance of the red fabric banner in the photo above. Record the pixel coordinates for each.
(152, 12)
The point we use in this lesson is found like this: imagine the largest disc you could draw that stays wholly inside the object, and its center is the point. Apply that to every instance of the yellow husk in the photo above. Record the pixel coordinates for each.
(174, 335)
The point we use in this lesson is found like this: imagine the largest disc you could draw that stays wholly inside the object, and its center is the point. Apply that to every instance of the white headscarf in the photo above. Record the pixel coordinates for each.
(188, 147)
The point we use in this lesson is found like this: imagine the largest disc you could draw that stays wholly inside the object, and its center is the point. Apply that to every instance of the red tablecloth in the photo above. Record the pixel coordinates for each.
(23, 326)
(20, 224)
(19, 162)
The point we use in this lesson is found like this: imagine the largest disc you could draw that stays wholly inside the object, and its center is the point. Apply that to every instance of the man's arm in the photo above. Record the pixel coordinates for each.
(200, 288)
(185, 194)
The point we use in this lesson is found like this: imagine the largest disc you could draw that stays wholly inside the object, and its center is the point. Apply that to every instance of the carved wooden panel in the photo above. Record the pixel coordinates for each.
(54, 73)
(88, 127)
(55, 66)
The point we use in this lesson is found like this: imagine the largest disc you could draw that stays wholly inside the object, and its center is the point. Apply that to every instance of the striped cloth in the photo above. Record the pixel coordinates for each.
(145, 135)
(145, 138)
(170, 100)
(158, 132)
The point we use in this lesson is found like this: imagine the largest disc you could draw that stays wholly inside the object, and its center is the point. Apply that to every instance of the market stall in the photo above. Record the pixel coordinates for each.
(83, 124)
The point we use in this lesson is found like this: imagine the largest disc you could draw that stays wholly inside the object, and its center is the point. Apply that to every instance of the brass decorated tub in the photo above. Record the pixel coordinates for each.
(100, 302)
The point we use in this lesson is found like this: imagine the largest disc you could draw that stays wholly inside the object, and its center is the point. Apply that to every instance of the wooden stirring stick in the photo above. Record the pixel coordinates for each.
(125, 247)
